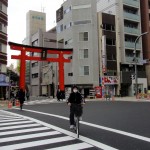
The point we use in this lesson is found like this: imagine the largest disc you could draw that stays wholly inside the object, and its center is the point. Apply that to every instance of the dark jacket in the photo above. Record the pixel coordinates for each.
(75, 98)
(21, 96)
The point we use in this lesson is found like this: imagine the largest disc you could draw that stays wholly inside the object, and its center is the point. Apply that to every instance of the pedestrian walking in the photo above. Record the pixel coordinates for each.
(27, 95)
(58, 95)
(21, 97)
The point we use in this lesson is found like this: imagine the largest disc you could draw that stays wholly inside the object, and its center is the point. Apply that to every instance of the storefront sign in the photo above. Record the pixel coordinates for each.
(110, 80)
(3, 80)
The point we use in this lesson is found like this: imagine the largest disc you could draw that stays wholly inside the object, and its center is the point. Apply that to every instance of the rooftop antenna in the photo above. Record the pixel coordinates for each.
(42, 8)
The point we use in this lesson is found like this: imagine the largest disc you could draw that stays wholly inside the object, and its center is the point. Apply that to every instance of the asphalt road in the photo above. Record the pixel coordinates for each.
(121, 125)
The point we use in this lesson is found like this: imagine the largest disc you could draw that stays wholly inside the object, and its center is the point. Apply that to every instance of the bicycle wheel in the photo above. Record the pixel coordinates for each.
(77, 127)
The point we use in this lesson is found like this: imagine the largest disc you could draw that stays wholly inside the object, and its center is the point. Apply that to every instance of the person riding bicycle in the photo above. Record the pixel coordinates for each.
(75, 99)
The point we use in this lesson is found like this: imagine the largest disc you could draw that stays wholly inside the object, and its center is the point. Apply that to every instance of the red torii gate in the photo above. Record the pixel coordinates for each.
(43, 51)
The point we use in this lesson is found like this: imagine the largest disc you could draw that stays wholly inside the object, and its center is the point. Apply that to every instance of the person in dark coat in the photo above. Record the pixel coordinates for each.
(74, 98)
(21, 97)
(58, 95)
(27, 95)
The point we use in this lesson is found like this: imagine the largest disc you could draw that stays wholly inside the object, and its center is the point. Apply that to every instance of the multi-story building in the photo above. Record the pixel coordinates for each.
(108, 52)
(34, 21)
(43, 74)
(3, 46)
(128, 28)
(77, 29)
(145, 15)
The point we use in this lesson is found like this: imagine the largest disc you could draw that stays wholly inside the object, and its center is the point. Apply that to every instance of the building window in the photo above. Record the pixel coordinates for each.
(0, 5)
(35, 43)
(108, 27)
(111, 57)
(68, 25)
(34, 64)
(35, 75)
(0, 67)
(67, 10)
(45, 75)
(83, 53)
(110, 41)
(84, 70)
(60, 28)
(70, 74)
(68, 42)
(83, 36)
(0, 26)
(0, 47)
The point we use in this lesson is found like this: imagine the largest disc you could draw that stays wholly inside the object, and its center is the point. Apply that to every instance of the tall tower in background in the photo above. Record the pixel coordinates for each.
(34, 21)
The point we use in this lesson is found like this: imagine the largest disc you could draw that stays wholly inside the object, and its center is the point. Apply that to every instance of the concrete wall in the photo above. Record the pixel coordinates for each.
(81, 11)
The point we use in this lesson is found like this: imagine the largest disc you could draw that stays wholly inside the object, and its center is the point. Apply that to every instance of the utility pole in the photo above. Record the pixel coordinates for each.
(135, 59)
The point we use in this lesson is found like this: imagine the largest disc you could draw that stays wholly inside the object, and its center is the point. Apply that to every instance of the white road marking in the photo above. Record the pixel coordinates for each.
(71, 134)
(14, 123)
(24, 131)
(4, 118)
(10, 116)
(20, 126)
(143, 138)
(11, 120)
(37, 143)
(22, 137)
(72, 147)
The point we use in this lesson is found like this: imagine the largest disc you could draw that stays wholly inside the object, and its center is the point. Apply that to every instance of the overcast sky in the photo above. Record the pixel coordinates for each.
(17, 10)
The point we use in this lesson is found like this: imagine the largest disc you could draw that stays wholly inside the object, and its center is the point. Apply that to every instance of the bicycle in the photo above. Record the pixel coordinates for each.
(77, 115)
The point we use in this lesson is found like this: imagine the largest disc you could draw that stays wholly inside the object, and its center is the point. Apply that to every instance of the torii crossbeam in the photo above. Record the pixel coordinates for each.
(43, 57)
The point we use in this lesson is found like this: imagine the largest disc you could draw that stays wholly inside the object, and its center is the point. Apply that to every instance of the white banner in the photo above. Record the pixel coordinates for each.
(104, 57)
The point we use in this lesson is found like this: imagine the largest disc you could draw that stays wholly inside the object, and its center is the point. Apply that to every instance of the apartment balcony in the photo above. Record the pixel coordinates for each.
(132, 30)
(131, 45)
(130, 60)
(131, 16)
(132, 3)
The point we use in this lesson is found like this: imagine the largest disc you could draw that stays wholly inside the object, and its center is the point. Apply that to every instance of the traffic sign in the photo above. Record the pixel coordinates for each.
(132, 77)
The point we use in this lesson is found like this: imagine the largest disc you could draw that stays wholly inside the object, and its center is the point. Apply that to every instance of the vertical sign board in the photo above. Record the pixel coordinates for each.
(104, 62)
(98, 91)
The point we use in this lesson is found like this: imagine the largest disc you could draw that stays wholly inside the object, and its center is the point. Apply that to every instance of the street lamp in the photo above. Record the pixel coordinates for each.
(135, 59)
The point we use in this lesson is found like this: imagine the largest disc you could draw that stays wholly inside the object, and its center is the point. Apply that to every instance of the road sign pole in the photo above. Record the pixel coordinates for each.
(135, 59)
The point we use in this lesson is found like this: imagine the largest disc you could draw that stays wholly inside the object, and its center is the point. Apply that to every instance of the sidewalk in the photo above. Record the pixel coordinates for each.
(3, 104)
(130, 99)
(46, 100)
(94, 99)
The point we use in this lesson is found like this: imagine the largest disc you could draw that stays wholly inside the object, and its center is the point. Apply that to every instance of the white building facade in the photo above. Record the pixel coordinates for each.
(77, 29)
(128, 28)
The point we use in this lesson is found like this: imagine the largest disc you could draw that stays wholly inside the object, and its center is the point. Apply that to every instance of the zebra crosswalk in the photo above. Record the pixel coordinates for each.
(17, 132)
